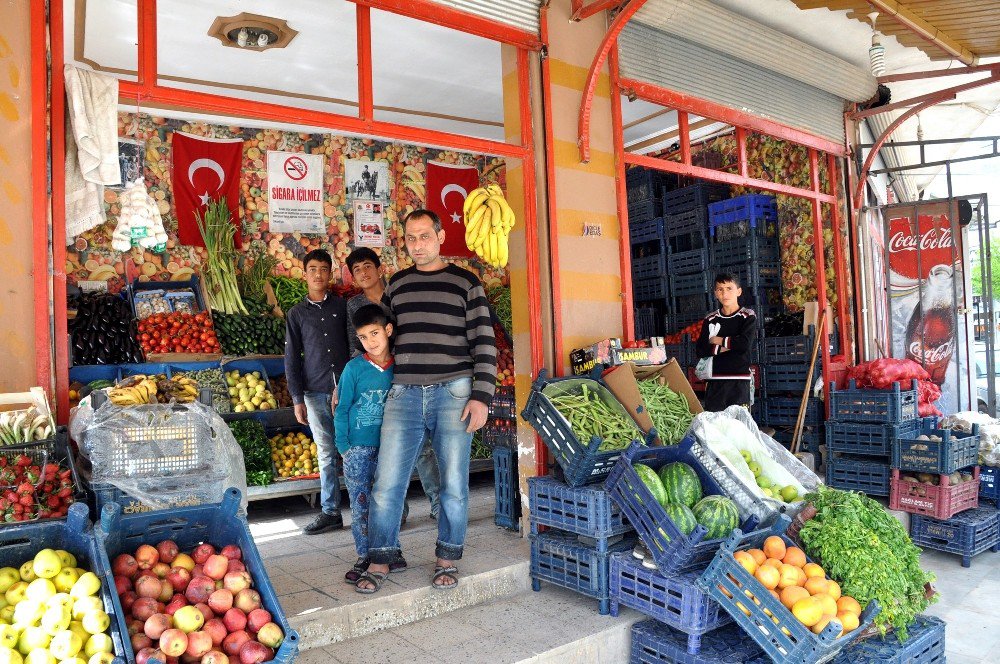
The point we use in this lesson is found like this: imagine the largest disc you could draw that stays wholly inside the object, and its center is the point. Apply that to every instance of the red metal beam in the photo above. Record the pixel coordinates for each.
(581, 11)
(684, 130)
(936, 73)
(935, 97)
(820, 258)
(365, 104)
(833, 170)
(621, 198)
(706, 109)
(438, 14)
(553, 204)
(741, 152)
(610, 39)
(59, 322)
(40, 197)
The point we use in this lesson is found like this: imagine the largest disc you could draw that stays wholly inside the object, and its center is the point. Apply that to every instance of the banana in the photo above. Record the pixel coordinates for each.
(477, 213)
(494, 190)
(479, 250)
(496, 214)
(493, 248)
(102, 273)
(471, 200)
(504, 252)
(471, 231)
(508, 214)
(417, 188)
(183, 274)
(484, 229)
(410, 171)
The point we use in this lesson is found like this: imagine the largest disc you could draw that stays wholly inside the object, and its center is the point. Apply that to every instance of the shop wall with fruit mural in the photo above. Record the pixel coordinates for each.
(91, 257)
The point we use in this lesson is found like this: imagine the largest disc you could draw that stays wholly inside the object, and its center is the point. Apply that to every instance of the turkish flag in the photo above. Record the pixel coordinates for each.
(204, 169)
(447, 187)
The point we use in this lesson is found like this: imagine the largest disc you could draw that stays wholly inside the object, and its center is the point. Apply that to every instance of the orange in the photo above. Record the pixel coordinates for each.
(789, 576)
(802, 578)
(833, 590)
(768, 576)
(773, 562)
(849, 620)
(812, 569)
(774, 547)
(758, 555)
(816, 585)
(848, 603)
(745, 559)
(828, 603)
(792, 594)
(794, 556)
(821, 625)
(808, 611)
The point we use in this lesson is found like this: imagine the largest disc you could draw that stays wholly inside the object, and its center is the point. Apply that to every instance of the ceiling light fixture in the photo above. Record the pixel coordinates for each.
(876, 54)
(252, 32)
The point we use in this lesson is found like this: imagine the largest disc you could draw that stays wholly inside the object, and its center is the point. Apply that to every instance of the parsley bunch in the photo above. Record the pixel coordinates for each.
(867, 550)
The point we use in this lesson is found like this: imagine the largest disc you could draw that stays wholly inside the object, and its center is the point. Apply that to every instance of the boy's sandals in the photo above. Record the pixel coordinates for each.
(354, 574)
(374, 578)
(447, 573)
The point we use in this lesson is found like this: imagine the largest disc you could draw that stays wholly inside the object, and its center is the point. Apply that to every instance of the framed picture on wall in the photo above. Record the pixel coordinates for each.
(130, 158)
(366, 179)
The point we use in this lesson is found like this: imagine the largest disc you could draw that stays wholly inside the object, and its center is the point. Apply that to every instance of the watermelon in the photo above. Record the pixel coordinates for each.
(682, 517)
(652, 481)
(718, 514)
(681, 484)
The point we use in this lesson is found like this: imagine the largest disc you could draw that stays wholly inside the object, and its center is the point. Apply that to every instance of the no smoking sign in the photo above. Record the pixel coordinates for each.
(295, 168)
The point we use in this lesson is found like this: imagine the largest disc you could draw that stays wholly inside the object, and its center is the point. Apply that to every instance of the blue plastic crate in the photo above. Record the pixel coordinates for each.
(216, 524)
(507, 512)
(867, 475)
(675, 600)
(687, 262)
(697, 284)
(746, 250)
(783, 638)
(784, 411)
(88, 373)
(754, 276)
(744, 215)
(866, 439)
(650, 208)
(561, 559)
(791, 350)
(678, 319)
(766, 303)
(683, 352)
(671, 549)
(810, 439)
(925, 645)
(989, 483)
(582, 462)
(955, 451)
(649, 290)
(106, 493)
(76, 535)
(967, 534)
(646, 230)
(646, 319)
(191, 284)
(883, 406)
(145, 369)
(686, 231)
(643, 183)
(695, 197)
(789, 377)
(655, 643)
(503, 405)
(648, 267)
(586, 510)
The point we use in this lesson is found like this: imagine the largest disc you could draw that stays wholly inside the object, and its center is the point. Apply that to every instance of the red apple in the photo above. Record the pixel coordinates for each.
(140, 641)
(177, 602)
(234, 620)
(236, 566)
(122, 584)
(270, 635)
(232, 552)
(149, 586)
(147, 556)
(197, 570)
(215, 657)
(206, 610)
(160, 570)
(146, 572)
(127, 599)
(179, 578)
(199, 589)
(144, 607)
(216, 566)
(253, 652)
(134, 626)
(202, 552)
(125, 565)
(234, 582)
(166, 591)
(247, 600)
(168, 551)
(216, 629)
(199, 643)
(157, 624)
(173, 642)
(145, 655)
(257, 619)
(231, 644)
(220, 601)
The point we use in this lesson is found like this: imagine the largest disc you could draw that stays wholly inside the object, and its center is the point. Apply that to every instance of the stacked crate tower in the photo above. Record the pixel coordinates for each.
(786, 370)
(649, 254)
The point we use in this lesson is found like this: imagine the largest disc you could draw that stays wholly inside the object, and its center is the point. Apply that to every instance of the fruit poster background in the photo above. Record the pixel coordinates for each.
(923, 285)
(91, 256)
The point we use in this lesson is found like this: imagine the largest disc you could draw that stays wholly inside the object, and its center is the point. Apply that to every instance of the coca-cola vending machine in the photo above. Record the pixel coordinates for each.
(928, 296)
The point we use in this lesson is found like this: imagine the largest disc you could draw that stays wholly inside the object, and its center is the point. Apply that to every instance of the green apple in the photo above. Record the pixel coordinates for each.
(65, 579)
(46, 564)
(33, 638)
(60, 599)
(40, 657)
(101, 658)
(66, 558)
(56, 619)
(16, 592)
(789, 493)
(7, 614)
(8, 577)
(8, 636)
(98, 643)
(763, 482)
(96, 622)
(28, 612)
(746, 456)
(10, 656)
(40, 589)
(65, 644)
(27, 571)
(85, 605)
(77, 628)
(87, 584)
(754, 468)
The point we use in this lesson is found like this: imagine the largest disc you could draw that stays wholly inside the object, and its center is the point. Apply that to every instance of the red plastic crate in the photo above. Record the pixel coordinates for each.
(938, 502)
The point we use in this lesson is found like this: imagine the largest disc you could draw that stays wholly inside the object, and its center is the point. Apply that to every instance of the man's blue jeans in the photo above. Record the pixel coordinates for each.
(412, 412)
(320, 416)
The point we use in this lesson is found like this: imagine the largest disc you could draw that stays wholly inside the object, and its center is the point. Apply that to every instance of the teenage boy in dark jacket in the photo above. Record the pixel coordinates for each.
(727, 336)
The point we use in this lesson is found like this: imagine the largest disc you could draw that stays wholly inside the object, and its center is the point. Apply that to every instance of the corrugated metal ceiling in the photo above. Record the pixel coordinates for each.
(521, 14)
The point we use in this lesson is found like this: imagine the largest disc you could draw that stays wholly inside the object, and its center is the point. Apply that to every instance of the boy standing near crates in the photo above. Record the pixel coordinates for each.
(724, 348)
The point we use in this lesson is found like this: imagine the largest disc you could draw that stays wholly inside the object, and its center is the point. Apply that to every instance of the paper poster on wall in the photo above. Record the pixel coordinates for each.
(295, 192)
(130, 159)
(366, 179)
(369, 223)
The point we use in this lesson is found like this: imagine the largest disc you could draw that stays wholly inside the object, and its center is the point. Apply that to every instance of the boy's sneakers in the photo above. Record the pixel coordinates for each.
(324, 523)
(355, 572)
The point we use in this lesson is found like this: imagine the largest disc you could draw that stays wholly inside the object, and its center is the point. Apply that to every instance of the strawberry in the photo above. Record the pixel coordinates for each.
(25, 489)
(65, 492)
(23, 461)
(44, 514)
(27, 501)
(52, 502)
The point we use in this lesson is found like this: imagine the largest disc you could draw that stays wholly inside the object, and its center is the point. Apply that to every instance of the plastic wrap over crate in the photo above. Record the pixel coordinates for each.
(719, 435)
(152, 452)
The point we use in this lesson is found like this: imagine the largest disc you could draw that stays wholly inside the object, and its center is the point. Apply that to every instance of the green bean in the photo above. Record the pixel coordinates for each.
(589, 416)
(668, 409)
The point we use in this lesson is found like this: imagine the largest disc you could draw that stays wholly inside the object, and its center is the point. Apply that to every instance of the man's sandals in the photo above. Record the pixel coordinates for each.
(449, 572)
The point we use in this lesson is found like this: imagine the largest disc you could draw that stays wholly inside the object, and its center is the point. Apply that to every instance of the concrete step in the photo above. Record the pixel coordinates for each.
(553, 626)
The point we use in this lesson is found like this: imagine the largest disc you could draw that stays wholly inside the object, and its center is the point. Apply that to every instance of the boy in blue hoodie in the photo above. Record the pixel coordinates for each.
(358, 421)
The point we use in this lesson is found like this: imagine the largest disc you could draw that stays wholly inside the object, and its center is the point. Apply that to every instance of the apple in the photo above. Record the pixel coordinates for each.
(236, 566)
(166, 591)
(16, 592)
(221, 600)
(140, 641)
(144, 607)
(216, 566)
(122, 584)
(148, 586)
(125, 565)
(206, 610)
(134, 627)
(146, 572)
(185, 561)
(147, 556)
(128, 599)
(247, 600)
(65, 644)
(8, 577)
(232, 552)
(232, 644)
(254, 652)
(216, 629)
(66, 579)
(188, 619)
(202, 552)
(179, 578)
(168, 551)
(178, 601)
(234, 582)
(199, 589)
(160, 570)
(270, 635)
(173, 642)
(157, 624)
(199, 643)
(198, 571)
(145, 655)
(215, 657)
(96, 621)
(234, 620)
(257, 619)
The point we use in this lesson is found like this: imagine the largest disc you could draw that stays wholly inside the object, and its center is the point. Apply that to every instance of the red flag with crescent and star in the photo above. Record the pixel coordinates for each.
(204, 169)
(447, 187)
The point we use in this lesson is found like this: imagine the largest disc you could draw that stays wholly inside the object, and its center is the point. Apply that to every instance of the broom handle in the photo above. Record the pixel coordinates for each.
(800, 419)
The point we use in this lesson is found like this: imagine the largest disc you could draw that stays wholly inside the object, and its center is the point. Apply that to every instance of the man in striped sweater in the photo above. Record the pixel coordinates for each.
(445, 376)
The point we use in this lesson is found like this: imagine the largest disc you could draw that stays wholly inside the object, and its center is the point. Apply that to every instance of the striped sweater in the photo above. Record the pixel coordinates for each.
(443, 329)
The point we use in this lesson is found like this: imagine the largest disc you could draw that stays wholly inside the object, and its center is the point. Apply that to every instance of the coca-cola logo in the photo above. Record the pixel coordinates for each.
(931, 355)
(913, 252)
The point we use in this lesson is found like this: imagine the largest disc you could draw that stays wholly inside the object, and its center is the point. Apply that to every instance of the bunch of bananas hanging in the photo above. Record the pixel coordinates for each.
(488, 220)
(134, 391)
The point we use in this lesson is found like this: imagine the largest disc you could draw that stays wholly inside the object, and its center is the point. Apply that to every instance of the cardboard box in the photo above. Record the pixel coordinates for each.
(623, 383)
(811, 317)
(609, 353)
